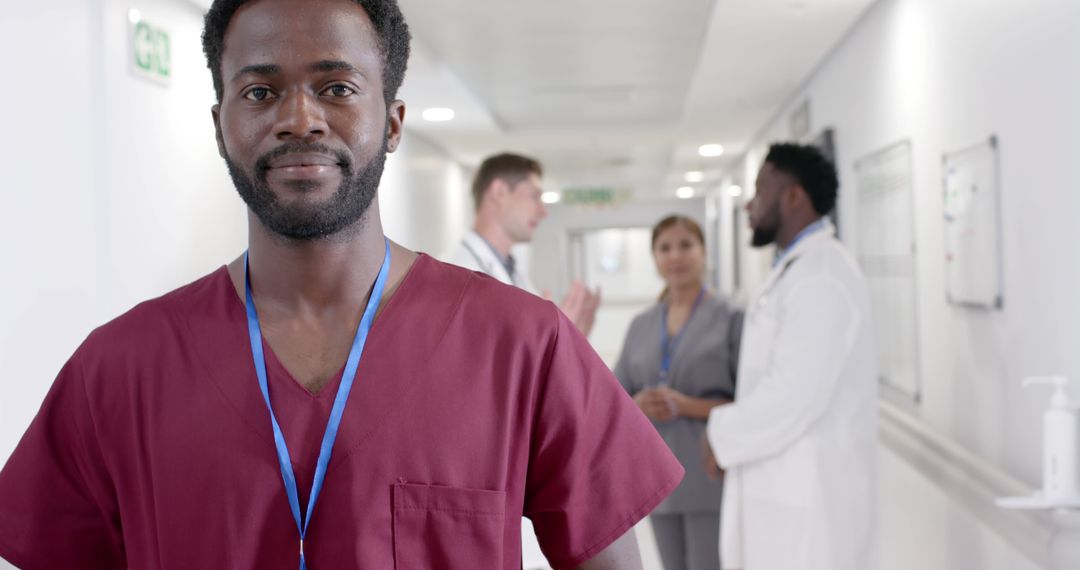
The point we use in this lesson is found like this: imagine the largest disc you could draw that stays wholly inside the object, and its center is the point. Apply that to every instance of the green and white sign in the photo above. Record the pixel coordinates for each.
(150, 56)
(597, 196)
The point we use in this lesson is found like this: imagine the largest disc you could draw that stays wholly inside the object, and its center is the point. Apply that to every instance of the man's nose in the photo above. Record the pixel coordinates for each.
(300, 116)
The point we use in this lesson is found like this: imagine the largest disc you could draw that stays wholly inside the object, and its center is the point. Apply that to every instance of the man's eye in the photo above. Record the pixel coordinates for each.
(257, 94)
(339, 91)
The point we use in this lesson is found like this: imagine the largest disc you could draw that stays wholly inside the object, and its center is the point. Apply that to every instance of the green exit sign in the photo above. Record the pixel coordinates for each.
(151, 51)
(594, 196)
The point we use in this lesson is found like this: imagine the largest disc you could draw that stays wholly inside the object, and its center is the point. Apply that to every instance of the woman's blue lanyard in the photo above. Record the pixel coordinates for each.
(339, 401)
(668, 344)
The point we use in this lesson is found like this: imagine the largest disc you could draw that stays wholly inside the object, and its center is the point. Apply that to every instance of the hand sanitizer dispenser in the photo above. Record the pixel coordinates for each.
(1061, 452)
(1061, 442)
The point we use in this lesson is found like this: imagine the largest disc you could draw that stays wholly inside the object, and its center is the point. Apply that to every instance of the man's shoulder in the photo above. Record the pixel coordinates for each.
(156, 319)
(826, 266)
(480, 296)
(826, 256)
(477, 285)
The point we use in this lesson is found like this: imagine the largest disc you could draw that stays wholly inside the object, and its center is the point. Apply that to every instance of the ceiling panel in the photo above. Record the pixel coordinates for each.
(568, 63)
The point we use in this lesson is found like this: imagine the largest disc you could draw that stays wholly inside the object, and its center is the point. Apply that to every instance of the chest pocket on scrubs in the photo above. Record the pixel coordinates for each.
(447, 528)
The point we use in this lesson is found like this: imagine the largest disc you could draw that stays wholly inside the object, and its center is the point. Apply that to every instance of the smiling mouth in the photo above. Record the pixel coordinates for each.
(303, 160)
(306, 174)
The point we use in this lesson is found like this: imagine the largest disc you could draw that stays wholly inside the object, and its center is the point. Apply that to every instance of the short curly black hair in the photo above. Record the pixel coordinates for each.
(811, 169)
(386, 18)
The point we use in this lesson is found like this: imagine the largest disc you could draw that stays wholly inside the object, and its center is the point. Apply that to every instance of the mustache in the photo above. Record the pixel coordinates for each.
(263, 162)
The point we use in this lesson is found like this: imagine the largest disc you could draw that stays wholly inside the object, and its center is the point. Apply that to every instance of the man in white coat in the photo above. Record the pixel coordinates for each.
(798, 445)
(507, 195)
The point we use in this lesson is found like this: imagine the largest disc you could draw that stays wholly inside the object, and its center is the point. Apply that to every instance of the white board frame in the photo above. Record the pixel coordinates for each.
(972, 234)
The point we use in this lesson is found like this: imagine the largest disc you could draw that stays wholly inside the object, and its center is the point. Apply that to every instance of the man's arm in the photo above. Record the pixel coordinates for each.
(623, 554)
(810, 352)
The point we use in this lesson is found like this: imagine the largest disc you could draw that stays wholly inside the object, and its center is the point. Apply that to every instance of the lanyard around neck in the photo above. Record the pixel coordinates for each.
(336, 413)
(668, 343)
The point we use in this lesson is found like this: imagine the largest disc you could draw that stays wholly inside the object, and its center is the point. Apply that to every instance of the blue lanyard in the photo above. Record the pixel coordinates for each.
(339, 401)
(667, 345)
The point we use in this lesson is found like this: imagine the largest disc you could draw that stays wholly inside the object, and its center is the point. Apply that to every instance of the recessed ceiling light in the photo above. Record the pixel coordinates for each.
(710, 150)
(438, 114)
(694, 176)
(550, 197)
(685, 192)
(134, 16)
(734, 191)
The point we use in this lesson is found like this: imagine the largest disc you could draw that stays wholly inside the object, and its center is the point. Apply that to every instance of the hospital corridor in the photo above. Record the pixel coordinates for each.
(499, 284)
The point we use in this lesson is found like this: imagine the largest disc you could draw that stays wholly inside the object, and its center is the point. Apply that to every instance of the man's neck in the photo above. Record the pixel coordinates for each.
(788, 234)
(315, 275)
(495, 235)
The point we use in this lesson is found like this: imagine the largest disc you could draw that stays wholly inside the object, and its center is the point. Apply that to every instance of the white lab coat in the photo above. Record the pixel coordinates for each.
(799, 442)
(475, 254)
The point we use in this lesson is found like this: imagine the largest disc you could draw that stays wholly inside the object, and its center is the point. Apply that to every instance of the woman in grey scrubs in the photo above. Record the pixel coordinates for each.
(678, 362)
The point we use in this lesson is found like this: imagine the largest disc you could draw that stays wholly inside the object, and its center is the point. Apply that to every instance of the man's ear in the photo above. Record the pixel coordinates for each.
(498, 189)
(215, 112)
(395, 124)
(797, 198)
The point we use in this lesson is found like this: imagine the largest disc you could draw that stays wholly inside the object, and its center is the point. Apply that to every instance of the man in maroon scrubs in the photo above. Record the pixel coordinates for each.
(193, 431)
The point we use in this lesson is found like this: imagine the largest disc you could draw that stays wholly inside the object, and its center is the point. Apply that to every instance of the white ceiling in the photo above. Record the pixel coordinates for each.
(615, 93)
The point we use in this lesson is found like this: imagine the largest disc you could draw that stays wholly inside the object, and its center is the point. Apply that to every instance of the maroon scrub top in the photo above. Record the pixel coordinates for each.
(474, 404)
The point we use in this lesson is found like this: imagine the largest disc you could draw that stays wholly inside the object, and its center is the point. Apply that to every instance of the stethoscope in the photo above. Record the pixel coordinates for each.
(763, 299)
(485, 265)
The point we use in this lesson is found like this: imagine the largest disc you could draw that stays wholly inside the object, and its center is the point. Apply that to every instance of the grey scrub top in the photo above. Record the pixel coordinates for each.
(703, 366)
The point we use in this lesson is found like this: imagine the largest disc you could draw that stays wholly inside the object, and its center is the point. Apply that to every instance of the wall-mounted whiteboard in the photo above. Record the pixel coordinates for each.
(885, 249)
(972, 228)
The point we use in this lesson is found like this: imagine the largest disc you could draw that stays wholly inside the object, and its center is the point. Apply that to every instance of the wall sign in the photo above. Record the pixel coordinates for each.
(150, 53)
(598, 196)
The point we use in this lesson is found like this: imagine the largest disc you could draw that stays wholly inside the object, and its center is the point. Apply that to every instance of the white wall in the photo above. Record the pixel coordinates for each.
(921, 526)
(114, 188)
(115, 192)
(945, 75)
(424, 197)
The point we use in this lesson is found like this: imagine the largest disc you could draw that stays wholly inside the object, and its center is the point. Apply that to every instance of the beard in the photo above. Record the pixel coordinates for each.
(765, 232)
(310, 221)
(763, 237)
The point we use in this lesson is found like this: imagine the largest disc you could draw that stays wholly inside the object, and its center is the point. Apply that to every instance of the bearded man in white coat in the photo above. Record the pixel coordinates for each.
(798, 444)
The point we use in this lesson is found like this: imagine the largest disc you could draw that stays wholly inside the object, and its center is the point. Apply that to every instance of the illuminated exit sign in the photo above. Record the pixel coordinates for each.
(150, 56)
(601, 196)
